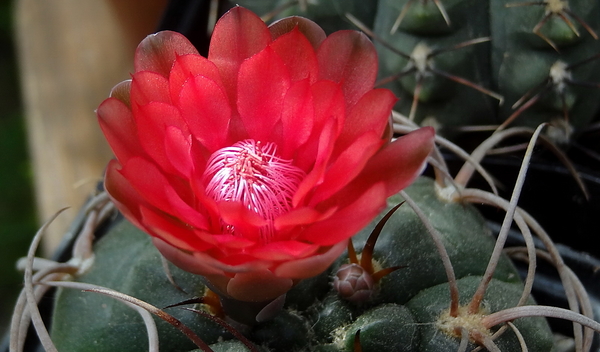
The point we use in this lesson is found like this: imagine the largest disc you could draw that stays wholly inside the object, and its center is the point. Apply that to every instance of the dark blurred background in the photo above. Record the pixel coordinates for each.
(58, 61)
(17, 215)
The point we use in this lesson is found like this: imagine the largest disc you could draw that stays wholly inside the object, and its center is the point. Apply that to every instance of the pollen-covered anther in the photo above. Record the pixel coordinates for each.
(252, 173)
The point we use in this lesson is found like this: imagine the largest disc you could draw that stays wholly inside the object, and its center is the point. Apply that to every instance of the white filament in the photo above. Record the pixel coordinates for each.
(252, 173)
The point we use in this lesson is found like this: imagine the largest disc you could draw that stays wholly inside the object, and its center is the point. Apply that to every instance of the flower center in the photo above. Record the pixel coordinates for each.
(250, 172)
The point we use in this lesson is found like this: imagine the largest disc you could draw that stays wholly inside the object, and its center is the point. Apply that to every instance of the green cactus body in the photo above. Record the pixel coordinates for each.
(534, 48)
(326, 13)
(440, 99)
(126, 261)
(522, 60)
(403, 315)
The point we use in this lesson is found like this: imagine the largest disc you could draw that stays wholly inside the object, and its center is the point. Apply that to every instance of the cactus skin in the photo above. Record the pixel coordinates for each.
(325, 13)
(447, 102)
(513, 63)
(315, 318)
(521, 59)
(426, 306)
(126, 261)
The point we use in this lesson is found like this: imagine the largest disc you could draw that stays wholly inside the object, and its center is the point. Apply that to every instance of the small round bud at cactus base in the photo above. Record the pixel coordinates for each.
(354, 283)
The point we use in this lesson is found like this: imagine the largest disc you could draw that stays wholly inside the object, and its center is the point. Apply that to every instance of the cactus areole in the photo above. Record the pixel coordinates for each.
(252, 167)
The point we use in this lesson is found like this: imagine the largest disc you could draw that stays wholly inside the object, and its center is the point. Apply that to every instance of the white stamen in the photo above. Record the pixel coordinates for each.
(250, 172)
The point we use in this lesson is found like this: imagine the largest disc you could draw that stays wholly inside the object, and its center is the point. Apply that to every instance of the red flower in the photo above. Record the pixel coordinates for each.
(253, 167)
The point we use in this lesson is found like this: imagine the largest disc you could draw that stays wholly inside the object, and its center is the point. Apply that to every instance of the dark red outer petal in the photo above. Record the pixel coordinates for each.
(238, 35)
(172, 231)
(121, 91)
(157, 52)
(298, 55)
(188, 66)
(349, 57)
(312, 31)
(118, 126)
(147, 87)
(125, 197)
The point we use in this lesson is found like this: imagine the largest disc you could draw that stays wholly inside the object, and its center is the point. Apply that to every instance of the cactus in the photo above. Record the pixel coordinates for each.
(417, 303)
(425, 275)
(540, 64)
(407, 302)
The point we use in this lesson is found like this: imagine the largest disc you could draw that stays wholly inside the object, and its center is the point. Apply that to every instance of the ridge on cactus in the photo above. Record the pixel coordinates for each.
(252, 167)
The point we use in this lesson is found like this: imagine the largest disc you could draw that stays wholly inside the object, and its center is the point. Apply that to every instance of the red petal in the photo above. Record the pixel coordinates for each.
(152, 121)
(125, 197)
(296, 118)
(284, 250)
(329, 104)
(349, 57)
(370, 114)
(185, 261)
(300, 216)
(315, 34)
(121, 91)
(298, 55)
(188, 66)
(205, 109)
(348, 221)
(262, 84)
(312, 266)
(315, 176)
(149, 87)
(399, 163)
(179, 149)
(201, 263)
(204, 202)
(245, 222)
(157, 52)
(347, 166)
(238, 35)
(153, 186)
(171, 231)
(118, 126)
(239, 262)
(231, 241)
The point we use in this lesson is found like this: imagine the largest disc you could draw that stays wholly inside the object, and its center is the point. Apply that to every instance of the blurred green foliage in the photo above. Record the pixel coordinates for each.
(17, 215)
